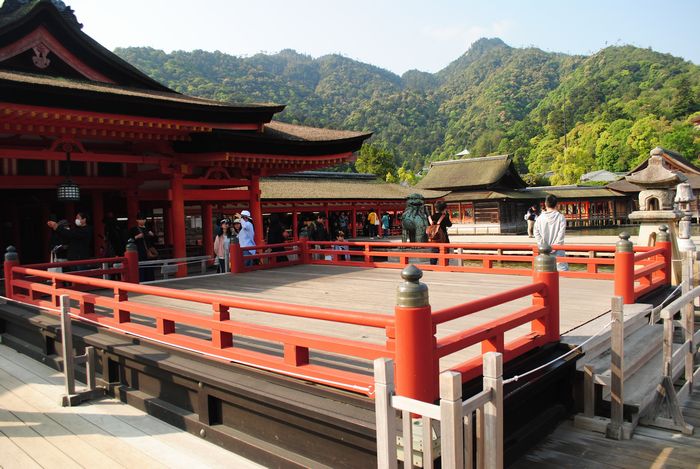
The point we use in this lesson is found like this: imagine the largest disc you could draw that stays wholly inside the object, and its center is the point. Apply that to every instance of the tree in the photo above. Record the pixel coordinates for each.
(684, 99)
(375, 159)
(645, 135)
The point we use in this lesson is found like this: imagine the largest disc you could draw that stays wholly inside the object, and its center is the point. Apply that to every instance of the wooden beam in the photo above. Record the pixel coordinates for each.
(216, 195)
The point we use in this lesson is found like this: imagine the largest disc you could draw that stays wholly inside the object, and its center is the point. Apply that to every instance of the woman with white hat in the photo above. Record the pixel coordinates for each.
(246, 237)
(222, 243)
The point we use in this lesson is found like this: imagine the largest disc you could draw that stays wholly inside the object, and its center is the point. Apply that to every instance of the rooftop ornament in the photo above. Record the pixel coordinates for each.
(68, 191)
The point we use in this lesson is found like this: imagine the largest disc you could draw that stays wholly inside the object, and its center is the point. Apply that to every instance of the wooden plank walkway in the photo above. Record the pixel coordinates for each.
(649, 447)
(35, 431)
(374, 290)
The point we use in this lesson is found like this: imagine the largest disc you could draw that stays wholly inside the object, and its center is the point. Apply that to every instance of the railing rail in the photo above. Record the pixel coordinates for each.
(460, 420)
(213, 334)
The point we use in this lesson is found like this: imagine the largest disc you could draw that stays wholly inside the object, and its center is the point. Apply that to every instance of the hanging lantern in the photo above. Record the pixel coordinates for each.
(68, 191)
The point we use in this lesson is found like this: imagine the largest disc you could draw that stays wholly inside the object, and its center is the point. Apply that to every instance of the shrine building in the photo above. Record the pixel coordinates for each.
(83, 130)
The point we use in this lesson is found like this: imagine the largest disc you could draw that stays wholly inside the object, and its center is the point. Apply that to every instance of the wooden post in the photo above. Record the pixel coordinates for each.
(207, 229)
(624, 269)
(295, 225)
(663, 240)
(235, 256)
(451, 420)
(493, 411)
(11, 260)
(98, 223)
(178, 219)
(545, 271)
(385, 414)
(617, 364)
(67, 345)
(354, 222)
(416, 363)
(256, 209)
(688, 317)
(588, 391)
(132, 262)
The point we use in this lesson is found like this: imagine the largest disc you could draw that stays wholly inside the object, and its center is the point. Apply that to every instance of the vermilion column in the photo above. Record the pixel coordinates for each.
(207, 230)
(295, 225)
(98, 222)
(354, 222)
(256, 208)
(177, 200)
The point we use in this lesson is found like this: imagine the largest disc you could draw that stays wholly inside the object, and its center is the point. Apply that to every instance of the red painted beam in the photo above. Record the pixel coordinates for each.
(47, 155)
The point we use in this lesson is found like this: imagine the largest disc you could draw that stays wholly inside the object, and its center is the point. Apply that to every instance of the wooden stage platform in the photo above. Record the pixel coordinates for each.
(373, 290)
(35, 431)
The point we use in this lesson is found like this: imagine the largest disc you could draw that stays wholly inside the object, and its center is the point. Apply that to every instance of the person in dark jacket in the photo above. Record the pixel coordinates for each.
(440, 209)
(77, 237)
(144, 240)
(275, 235)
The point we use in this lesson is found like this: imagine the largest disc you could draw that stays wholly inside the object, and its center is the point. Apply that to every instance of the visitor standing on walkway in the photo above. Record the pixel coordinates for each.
(373, 223)
(550, 228)
(144, 239)
(441, 217)
(246, 237)
(530, 217)
(222, 242)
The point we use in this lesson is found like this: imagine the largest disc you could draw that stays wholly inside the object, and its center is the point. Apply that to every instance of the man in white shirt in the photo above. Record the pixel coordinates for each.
(550, 227)
(247, 236)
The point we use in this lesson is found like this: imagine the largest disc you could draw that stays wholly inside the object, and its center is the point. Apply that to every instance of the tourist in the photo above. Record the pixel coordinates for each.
(386, 225)
(114, 236)
(319, 232)
(222, 242)
(372, 223)
(340, 238)
(58, 245)
(441, 217)
(78, 237)
(550, 228)
(246, 237)
(343, 222)
(236, 227)
(530, 217)
(144, 238)
(275, 235)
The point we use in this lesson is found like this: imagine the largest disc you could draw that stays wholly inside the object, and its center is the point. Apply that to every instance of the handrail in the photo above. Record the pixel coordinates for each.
(174, 260)
(98, 260)
(474, 306)
(311, 312)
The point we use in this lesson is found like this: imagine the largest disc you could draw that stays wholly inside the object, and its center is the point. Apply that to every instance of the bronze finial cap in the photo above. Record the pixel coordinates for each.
(624, 244)
(663, 234)
(411, 293)
(545, 261)
(11, 254)
(131, 244)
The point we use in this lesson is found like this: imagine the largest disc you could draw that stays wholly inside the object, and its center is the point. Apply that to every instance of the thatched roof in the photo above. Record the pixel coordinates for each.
(473, 173)
(535, 193)
(315, 187)
(463, 196)
(674, 161)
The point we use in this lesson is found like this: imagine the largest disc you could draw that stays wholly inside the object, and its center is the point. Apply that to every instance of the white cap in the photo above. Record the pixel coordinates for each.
(245, 213)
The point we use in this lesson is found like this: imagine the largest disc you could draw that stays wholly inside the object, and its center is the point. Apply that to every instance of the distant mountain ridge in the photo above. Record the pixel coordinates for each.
(552, 110)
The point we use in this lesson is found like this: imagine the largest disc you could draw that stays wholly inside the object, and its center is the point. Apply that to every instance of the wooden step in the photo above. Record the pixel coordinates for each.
(640, 347)
(636, 317)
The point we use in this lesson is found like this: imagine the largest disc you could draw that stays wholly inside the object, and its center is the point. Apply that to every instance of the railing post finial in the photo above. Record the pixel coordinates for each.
(11, 254)
(624, 244)
(412, 293)
(545, 261)
(131, 245)
(663, 235)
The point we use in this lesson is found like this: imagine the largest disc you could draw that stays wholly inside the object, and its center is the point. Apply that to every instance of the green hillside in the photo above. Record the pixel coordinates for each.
(554, 112)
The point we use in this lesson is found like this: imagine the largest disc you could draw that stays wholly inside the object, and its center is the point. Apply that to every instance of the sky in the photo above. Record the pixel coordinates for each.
(396, 35)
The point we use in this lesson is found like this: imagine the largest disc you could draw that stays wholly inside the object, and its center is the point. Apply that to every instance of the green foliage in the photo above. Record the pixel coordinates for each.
(553, 112)
(375, 159)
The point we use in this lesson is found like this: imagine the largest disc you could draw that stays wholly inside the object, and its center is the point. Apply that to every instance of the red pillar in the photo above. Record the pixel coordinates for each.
(207, 230)
(97, 223)
(624, 269)
(11, 260)
(416, 348)
(295, 225)
(177, 200)
(256, 208)
(354, 222)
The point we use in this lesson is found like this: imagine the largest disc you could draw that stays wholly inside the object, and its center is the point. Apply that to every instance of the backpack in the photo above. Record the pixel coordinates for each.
(435, 234)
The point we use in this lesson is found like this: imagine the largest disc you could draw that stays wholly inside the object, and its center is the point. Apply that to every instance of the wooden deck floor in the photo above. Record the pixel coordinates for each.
(649, 447)
(35, 431)
(374, 290)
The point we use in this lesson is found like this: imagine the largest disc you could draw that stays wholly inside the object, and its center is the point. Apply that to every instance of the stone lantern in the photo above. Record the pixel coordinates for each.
(684, 200)
(656, 204)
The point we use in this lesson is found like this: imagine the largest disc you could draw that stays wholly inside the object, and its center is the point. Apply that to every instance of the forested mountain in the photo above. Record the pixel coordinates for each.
(569, 114)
